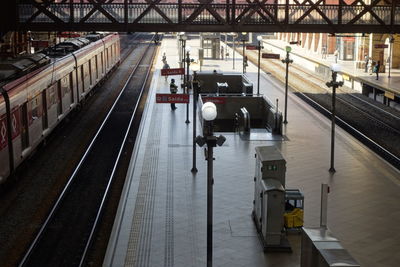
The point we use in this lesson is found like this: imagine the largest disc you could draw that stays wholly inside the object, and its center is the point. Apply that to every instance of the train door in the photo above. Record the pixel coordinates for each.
(60, 95)
(24, 128)
(45, 120)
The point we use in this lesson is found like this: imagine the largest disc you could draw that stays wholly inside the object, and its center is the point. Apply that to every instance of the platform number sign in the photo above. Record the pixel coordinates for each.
(272, 168)
(3, 132)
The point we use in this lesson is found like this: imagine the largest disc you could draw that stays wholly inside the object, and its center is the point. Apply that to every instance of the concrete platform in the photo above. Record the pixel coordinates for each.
(162, 213)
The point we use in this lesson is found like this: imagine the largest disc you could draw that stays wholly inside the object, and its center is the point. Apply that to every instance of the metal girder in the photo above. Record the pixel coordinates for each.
(256, 15)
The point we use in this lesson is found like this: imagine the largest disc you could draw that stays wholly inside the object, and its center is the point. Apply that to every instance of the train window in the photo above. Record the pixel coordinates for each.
(65, 86)
(97, 66)
(24, 132)
(112, 53)
(82, 79)
(59, 98)
(52, 95)
(35, 108)
(44, 118)
(90, 72)
(102, 62)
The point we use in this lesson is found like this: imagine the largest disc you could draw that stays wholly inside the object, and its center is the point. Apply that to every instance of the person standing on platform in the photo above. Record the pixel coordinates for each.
(366, 60)
(173, 89)
(166, 66)
(336, 54)
(376, 69)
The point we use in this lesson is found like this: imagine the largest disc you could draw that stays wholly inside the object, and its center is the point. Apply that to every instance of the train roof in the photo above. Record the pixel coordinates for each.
(14, 68)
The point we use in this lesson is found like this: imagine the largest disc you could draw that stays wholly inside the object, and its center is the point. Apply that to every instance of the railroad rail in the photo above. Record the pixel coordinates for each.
(209, 16)
(65, 237)
(377, 134)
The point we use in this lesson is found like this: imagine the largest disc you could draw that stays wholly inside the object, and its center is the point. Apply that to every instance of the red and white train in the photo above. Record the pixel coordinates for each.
(38, 91)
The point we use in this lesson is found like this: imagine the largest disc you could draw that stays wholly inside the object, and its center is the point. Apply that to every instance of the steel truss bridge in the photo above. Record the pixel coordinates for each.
(376, 16)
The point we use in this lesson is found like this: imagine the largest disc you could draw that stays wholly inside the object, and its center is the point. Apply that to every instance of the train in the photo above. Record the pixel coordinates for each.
(39, 90)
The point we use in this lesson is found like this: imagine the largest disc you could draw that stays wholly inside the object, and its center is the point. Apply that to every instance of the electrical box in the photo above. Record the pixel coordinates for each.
(269, 198)
(270, 164)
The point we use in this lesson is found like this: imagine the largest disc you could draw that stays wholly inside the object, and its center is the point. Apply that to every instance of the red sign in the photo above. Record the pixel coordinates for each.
(251, 47)
(68, 34)
(268, 55)
(349, 39)
(381, 46)
(178, 71)
(172, 98)
(3, 132)
(215, 100)
(40, 44)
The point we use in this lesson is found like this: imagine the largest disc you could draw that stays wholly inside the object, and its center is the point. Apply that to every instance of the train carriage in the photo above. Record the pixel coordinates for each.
(32, 104)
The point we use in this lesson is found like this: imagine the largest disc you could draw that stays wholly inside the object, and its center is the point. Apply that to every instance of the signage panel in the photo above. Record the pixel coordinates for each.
(269, 55)
(381, 46)
(177, 71)
(251, 47)
(215, 100)
(172, 98)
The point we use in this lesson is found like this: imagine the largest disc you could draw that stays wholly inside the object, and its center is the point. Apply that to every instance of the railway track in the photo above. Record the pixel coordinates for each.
(66, 236)
(370, 124)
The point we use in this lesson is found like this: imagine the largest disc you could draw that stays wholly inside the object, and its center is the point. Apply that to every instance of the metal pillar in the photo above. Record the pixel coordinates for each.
(324, 206)
(244, 55)
(187, 85)
(195, 96)
(211, 141)
(391, 41)
(286, 61)
(334, 84)
(210, 183)
(233, 53)
(258, 74)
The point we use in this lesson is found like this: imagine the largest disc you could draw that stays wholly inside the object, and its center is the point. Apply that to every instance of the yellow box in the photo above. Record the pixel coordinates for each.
(294, 218)
(288, 220)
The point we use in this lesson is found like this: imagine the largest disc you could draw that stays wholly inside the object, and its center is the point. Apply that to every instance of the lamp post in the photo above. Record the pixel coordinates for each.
(186, 81)
(196, 89)
(182, 39)
(391, 42)
(244, 51)
(287, 60)
(334, 84)
(233, 52)
(209, 113)
(259, 39)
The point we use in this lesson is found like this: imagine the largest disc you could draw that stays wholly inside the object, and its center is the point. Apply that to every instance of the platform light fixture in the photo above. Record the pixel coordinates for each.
(287, 61)
(259, 39)
(335, 68)
(209, 113)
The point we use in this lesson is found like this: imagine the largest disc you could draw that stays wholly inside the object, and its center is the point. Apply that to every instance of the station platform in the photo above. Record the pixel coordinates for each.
(161, 220)
(349, 68)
